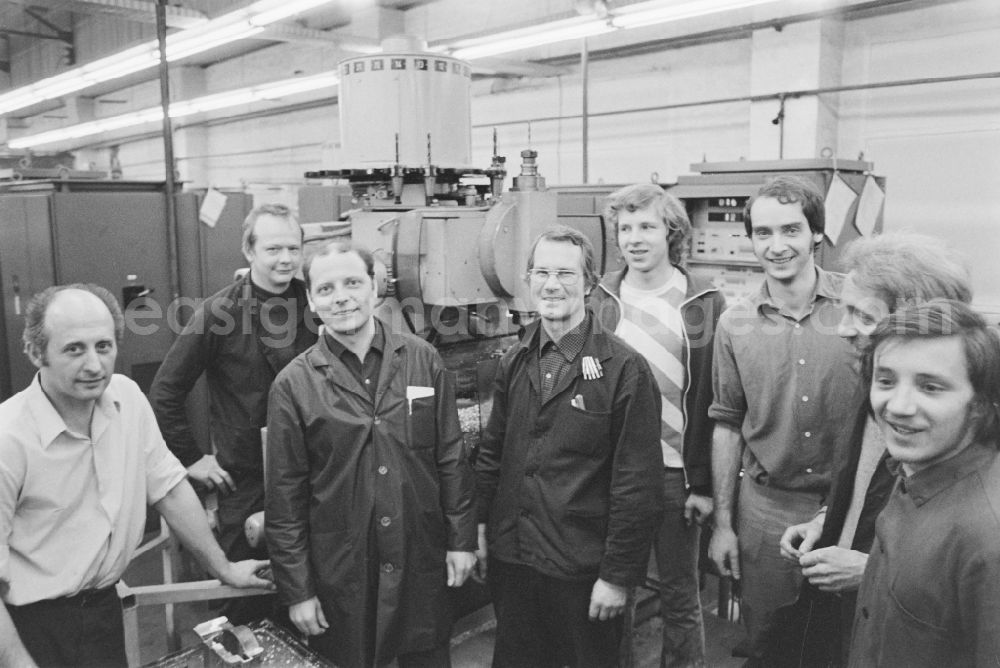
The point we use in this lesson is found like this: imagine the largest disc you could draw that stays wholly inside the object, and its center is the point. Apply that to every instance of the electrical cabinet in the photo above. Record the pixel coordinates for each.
(114, 234)
(209, 255)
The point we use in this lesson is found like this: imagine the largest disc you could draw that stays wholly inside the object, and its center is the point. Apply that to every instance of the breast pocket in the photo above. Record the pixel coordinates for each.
(585, 431)
(421, 423)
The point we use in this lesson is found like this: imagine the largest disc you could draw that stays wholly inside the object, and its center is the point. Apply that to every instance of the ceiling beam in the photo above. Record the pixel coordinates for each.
(511, 67)
(142, 11)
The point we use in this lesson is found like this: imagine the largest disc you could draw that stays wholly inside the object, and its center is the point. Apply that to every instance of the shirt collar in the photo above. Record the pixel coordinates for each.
(51, 424)
(827, 287)
(570, 345)
(927, 483)
(338, 348)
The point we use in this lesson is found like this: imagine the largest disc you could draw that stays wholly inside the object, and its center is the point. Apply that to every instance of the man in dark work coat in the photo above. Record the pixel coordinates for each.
(369, 510)
(239, 339)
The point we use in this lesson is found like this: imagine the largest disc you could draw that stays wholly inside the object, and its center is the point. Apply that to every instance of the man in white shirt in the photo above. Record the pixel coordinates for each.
(80, 458)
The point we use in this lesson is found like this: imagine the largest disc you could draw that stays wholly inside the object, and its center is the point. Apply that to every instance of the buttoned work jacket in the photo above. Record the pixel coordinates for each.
(351, 479)
(572, 487)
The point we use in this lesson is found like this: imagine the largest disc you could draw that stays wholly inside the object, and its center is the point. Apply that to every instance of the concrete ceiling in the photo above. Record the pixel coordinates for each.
(335, 24)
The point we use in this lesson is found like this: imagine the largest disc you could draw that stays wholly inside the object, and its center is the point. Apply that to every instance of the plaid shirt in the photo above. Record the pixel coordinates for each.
(554, 357)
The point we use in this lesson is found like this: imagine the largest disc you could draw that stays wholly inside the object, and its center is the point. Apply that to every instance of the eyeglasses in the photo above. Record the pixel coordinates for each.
(564, 277)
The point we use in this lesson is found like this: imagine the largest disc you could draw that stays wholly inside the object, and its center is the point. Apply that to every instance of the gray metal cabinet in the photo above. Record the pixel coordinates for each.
(112, 233)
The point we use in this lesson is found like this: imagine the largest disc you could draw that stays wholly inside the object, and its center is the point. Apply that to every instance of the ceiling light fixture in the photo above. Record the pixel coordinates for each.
(269, 91)
(527, 38)
(240, 24)
(641, 14)
(654, 13)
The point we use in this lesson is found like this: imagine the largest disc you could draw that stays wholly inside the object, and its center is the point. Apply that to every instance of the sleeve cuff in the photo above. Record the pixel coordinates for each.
(729, 416)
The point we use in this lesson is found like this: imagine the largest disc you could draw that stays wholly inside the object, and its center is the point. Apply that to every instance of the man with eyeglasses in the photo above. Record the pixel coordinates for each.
(568, 472)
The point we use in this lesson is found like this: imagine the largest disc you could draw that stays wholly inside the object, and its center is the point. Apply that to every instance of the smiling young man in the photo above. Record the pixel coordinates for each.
(370, 497)
(239, 339)
(931, 590)
(669, 316)
(885, 272)
(568, 473)
(784, 386)
(80, 459)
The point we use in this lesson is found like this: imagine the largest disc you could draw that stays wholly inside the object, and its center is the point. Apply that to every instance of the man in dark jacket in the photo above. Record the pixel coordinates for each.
(930, 595)
(239, 338)
(669, 316)
(370, 497)
(568, 473)
(884, 273)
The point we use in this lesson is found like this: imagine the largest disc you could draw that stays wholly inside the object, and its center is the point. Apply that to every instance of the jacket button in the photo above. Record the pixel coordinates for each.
(385, 521)
(382, 470)
(378, 420)
(388, 568)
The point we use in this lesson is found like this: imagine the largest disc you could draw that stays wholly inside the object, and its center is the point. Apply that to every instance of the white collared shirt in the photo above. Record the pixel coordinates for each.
(72, 507)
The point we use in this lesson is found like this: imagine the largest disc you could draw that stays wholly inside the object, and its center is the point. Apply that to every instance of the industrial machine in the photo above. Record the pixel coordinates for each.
(454, 243)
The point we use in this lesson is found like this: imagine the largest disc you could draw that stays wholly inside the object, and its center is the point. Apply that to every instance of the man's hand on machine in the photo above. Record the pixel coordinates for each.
(244, 574)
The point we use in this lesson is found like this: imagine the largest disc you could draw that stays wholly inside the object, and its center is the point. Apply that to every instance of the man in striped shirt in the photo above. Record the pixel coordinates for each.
(669, 317)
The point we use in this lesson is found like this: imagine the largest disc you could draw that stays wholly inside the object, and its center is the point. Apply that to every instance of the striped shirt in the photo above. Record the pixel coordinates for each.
(652, 324)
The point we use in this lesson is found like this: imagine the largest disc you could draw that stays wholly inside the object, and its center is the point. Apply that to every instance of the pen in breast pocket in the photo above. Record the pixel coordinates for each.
(577, 402)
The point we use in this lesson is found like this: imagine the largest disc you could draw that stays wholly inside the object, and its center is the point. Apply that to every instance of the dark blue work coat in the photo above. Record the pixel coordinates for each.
(351, 480)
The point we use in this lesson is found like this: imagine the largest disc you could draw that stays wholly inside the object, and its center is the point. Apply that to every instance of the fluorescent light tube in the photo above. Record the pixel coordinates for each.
(631, 16)
(230, 27)
(270, 11)
(213, 102)
(189, 47)
(654, 13)
(526, 38)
